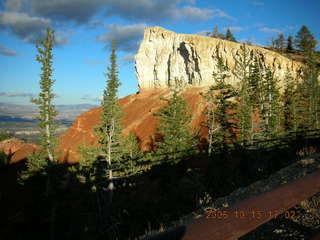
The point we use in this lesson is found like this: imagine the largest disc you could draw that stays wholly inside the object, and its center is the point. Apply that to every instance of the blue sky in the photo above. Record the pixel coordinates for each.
(84, 29)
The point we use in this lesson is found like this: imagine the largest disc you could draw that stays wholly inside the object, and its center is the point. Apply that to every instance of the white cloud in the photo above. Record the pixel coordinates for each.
(128, 58)
(234, 29)
(27, 19)
(88, 97)
(7, 52)
(193, 13)
(16, 94)
(127, 37)
(22, 25)
(270, 30)
(219, 13)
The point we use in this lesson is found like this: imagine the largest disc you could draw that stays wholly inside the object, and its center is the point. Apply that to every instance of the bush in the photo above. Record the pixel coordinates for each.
(5, 135)
(4, 160)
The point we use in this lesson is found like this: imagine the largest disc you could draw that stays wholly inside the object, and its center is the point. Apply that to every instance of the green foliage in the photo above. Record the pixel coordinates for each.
(305, 40)
(36, 164)
(270, 112)
(279, 43)
(109, 131)
(289, 44)
(229, 36)
(215, 33)
(132, 154)
(5, 135)
(309, 90)
(47, 112)
(4, 159)
(219, 107)
(242, 71)
(290, 99)
(177, 137)
(115, 156)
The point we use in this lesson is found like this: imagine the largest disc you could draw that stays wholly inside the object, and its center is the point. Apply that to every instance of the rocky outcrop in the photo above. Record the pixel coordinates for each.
(164, 56)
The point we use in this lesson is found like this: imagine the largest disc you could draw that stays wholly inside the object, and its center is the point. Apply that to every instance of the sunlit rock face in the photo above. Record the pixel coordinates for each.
(164, 56)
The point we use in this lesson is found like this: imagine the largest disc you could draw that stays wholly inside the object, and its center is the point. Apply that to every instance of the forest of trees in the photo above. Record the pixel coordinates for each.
(255, 109)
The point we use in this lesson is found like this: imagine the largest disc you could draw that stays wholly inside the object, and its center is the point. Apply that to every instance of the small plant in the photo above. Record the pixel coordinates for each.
(5, 135)
(4, 160)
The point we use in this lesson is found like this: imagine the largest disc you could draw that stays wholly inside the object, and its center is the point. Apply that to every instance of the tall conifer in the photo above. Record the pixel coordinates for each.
(219, 116)
(43, 160)
(178, 138)
(242, 71)
(305, 40)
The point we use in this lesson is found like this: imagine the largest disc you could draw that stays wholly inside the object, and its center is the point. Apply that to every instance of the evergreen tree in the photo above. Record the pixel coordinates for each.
(309, 90)
(290, 105)
(242, 71)
(255, 93)
(229, 36)
(102, 164)
(132, 154)
(278, 43)
(216, 34)
(109, 131)
(177, 136)
(281, 42)
(219, 105)
(289, 44)
(305, 40)
(42, 161)
(270, 112)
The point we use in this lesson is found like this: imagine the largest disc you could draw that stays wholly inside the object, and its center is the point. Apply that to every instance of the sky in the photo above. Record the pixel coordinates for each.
(84, 30)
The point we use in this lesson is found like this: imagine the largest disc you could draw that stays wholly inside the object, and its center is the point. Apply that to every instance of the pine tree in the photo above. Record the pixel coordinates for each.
(242, 71)
(290, 105)
(229, 36)
(216, 34)
(289, 44)
(281, 42)
(310, 94)
(132, 154)
(44, 162)
(219, 105)
(41, 162)
(278, 43)
(305, 40)
(255, 93)
(270, 112)
(108, 160)
(177, 136)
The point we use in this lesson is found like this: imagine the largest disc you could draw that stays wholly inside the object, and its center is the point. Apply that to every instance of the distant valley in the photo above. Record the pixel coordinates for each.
(20, 120)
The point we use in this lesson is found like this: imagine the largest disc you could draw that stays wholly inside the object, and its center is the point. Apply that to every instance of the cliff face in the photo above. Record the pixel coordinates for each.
(165, 55)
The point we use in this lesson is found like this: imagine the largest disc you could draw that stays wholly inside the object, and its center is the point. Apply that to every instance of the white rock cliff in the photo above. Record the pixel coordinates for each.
(164, 56)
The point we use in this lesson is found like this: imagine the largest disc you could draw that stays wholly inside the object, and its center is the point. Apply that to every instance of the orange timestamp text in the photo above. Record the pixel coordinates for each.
(252, 214)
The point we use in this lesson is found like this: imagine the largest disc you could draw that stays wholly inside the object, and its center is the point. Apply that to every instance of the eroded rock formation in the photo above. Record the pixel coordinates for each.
(165, 55)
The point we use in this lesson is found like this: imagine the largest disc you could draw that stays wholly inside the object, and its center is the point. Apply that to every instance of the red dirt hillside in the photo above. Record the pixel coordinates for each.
(139, 109)
(17, 149)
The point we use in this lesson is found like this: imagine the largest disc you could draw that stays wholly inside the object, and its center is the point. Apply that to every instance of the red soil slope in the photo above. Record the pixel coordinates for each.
(139, 109)
(17, 149)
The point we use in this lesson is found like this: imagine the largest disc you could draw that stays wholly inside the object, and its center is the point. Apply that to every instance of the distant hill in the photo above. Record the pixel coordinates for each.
(16, 112)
